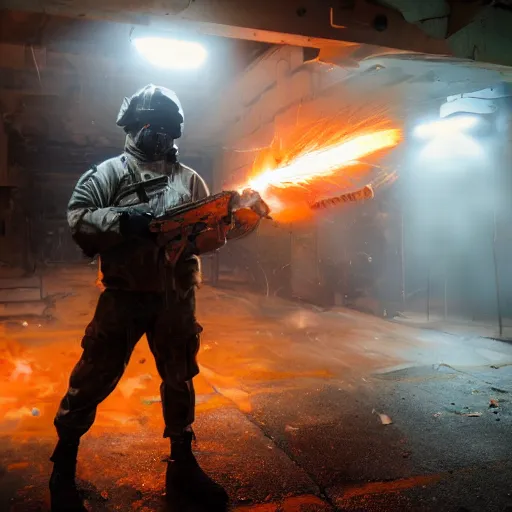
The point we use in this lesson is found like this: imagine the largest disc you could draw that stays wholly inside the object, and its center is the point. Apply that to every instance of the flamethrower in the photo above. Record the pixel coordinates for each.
(205, 226)
(322, 170)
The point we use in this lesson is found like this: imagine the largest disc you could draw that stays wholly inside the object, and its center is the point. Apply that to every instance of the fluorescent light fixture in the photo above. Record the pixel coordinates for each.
(446, 127)
(170, 53)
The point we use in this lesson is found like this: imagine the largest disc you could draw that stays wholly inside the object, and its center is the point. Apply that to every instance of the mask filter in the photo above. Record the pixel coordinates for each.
(154, 142)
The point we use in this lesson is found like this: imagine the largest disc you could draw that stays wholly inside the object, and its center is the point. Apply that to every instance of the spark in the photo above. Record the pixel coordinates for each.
(324, 162)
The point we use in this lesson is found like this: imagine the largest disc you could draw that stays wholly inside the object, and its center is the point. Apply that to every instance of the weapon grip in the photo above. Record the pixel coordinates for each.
(173, 251)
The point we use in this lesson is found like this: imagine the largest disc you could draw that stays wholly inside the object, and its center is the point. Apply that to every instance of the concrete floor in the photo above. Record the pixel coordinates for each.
(288, 411)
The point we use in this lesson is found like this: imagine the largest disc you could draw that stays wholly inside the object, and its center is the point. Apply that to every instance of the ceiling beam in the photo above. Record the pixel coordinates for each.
(313, 23)
(471, 29)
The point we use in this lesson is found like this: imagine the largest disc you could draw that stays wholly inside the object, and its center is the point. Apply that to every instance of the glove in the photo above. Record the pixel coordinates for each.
(135, 222)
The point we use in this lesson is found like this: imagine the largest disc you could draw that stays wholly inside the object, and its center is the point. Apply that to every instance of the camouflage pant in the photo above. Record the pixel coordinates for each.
(120, 320)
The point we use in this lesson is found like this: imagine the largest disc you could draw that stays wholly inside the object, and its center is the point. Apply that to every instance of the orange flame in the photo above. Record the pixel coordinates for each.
(310, 171)
(324, 162)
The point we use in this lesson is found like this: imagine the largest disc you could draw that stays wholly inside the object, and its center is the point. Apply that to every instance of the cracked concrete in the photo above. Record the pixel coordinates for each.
(287, 411)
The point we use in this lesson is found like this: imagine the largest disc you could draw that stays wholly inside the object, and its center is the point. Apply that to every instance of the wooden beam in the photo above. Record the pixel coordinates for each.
(313, 23)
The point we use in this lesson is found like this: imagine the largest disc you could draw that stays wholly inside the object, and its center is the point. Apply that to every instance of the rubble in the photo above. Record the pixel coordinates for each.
(149, 400)
(384, 418)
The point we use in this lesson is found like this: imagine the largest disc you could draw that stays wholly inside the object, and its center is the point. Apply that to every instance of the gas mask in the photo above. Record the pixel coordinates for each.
(153, 118)
(155, 142)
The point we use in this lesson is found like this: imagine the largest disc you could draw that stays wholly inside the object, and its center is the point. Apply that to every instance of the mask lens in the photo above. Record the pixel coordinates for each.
(153, 143)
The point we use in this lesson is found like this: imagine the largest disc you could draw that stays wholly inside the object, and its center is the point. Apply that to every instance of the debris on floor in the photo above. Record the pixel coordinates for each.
(384, 418)
(252, 394)
(149, 400)
(493, 403)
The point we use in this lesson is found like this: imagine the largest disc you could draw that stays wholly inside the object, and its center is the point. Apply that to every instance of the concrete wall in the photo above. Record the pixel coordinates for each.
(272, 99)
(277, 92)
(279, 96)
(3, 156)
(355, 250)
(13, 232)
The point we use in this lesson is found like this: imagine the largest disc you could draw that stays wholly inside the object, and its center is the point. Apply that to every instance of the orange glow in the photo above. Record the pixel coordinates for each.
(325, 160)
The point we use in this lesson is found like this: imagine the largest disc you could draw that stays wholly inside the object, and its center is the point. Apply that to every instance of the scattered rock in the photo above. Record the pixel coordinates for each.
(289, 428)
(36, 411)
(142, 361)
(493, 403)
(384, 418)
(149, 400)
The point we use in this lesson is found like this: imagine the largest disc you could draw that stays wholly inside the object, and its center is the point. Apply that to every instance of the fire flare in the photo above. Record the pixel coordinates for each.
(324, 162)
(291, 186)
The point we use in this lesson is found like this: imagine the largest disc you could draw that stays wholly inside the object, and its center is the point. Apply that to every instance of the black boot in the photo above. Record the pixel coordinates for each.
(185, 481)
(63, 492)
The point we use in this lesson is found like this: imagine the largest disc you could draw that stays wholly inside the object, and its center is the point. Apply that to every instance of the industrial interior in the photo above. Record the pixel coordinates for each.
(355, 352)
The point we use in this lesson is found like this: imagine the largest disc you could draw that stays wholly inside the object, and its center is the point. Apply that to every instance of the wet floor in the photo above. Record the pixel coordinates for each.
(293, 403)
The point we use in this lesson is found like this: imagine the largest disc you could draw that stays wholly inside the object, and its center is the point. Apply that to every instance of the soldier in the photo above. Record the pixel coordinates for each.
(109, 214)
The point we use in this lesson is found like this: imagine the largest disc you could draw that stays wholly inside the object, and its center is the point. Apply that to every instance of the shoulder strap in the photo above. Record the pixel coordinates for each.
(136, 183)
(134, 176)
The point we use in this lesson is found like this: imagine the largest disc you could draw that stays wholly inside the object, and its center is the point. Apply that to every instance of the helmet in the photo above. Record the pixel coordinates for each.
(152, 104)
(153, 116)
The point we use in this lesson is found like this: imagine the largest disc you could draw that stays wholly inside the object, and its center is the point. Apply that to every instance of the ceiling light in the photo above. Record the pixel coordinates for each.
(452, 151)
(170, 53)
(446, 127)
